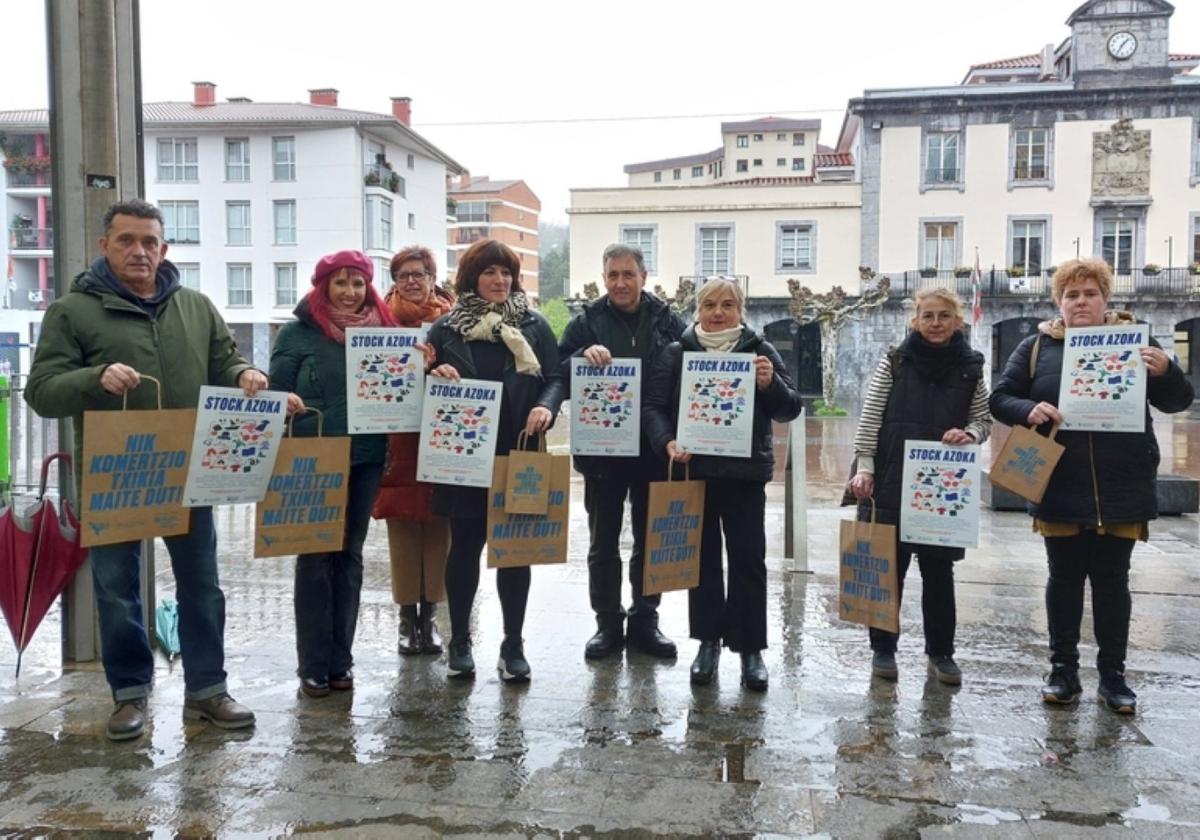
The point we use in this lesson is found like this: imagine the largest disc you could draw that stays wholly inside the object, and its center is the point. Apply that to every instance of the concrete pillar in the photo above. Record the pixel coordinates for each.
(95, 143)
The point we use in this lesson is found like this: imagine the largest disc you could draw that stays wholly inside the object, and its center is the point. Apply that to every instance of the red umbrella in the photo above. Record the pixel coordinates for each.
(39, 554)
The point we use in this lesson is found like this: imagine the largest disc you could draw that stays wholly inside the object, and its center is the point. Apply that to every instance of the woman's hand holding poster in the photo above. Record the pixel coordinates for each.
(1104, 379)
(939, 494)
(716, 404)
(459, 422)
(385, 380)
(606, 407)
(234, 446)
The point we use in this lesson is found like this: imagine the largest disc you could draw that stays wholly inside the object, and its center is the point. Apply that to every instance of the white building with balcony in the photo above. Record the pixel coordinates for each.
(253, 194)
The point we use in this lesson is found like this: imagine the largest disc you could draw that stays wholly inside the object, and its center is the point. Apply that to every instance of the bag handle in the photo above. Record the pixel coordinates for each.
(142, 377)
(320, 421)
(871, 499)
(687, 468)
(523, 439)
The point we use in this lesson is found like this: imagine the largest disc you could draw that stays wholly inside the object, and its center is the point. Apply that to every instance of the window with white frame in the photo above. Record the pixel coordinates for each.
(401, 186)
(645, 238)
(781, 137)
(1028, 246)
(743, 141)
(697, 171)
(716, 244)
(285, 284)
(239, 284)
(798, 138)
(382, 270)
(1030, 146)
(237, 222)
(743, 165)
(794, 251)
(758, 138)
(189, 275)
(237, 159)
(1117, 237)
(797, 164)
(676, 174)
(940, 246)
(285, 222)
(178, 159)
(181, 222)
(781, 161)
(1196, 239)
(283, 158)
(412, 161)
(941, 158)
(379, 222)
(412, 223)
(657, 177)
(758, 161)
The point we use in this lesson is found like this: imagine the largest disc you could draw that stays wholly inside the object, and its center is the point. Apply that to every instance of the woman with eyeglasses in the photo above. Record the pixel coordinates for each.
(417, 539)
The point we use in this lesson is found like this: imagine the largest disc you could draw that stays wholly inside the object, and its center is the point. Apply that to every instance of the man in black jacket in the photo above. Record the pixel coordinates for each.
(624, 323)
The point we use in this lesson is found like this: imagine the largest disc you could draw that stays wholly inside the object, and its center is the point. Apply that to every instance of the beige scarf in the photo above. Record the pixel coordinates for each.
(491, 324)
(721, 341)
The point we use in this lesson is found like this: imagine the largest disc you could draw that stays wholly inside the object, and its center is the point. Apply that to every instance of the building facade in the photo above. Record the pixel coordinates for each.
(253, 194)
(507, 211)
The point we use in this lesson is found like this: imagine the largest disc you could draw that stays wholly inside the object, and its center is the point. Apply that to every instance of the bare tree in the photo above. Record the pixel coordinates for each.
(831, 311)
(681, 302)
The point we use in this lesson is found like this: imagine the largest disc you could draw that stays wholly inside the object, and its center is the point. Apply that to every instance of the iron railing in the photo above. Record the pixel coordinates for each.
(30, 238)
(30, 439)
(21, 178)
(1174, 282)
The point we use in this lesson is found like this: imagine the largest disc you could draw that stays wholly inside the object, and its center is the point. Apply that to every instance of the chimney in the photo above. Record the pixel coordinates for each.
(464, 180)
(322, 96)
(1048, 71)
(204, 93)
(402, 109)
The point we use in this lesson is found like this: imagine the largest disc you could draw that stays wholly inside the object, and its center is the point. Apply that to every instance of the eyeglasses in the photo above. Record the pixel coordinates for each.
(419, 276)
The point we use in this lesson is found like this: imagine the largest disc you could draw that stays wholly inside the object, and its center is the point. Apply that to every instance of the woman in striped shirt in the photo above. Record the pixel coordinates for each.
(929, 388)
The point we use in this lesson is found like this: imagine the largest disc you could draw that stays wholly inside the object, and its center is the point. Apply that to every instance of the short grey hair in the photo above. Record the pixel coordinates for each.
(136, 207)
(714, 286)
(619, 249)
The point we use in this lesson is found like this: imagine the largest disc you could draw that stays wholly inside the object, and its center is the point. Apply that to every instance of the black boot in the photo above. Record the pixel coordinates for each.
(1062, 686)
(431, 639)
(754, 671)
(609, 638)
(704, 666)
(646, 637)
(410, 631)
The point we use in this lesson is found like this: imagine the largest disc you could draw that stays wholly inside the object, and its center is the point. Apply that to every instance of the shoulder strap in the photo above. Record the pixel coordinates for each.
(1033, 354)
(894, 359)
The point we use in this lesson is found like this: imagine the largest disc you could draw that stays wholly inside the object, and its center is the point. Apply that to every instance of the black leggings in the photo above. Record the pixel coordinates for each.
(1104, 561)
(467, 538)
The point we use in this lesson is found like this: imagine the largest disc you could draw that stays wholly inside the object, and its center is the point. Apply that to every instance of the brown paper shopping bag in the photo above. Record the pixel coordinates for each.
(867, 590)
(528, 487)
(134, 468)
(304, 511)
(674, 524)
(1026, 462)
(520, 539)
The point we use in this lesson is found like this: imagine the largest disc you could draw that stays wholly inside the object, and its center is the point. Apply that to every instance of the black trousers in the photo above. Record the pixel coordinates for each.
(468, 535)
(604, 501)
(1103, 560)
(328, 586)
(938, 609)
(738, 509)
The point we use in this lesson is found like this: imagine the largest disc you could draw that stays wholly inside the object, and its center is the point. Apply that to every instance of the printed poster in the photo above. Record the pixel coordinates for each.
(459, 423)
(716, 404)
(1104, 379)
(606, 408)
(939, 494)
(234, 446)
(385, 380)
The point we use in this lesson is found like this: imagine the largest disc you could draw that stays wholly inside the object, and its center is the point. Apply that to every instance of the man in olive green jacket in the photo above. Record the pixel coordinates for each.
(126, 316)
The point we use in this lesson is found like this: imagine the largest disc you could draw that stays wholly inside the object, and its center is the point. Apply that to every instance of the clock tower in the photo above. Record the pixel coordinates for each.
(1116, 43)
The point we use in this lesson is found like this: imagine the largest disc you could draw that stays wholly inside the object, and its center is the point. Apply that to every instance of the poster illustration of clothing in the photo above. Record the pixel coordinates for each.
(1104, 379)
(234, 446)
(606, 408)
(385, 380)
(459, 422)
(939, 494)
(716, 404)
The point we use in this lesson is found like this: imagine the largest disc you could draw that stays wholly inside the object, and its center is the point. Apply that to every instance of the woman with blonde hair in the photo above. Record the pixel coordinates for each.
(417, 539)
(930, 387)
(1101, 496)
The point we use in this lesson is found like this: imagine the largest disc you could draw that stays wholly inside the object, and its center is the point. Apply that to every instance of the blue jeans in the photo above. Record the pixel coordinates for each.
(128, 662)
(328, 586)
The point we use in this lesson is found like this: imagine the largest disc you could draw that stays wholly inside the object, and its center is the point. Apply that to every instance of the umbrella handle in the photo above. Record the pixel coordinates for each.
(46, 469)
(320, 421)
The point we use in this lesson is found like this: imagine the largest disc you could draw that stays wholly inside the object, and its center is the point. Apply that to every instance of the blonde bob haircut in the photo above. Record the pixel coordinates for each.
(1080, 271)
(715, 286)
(946, 296)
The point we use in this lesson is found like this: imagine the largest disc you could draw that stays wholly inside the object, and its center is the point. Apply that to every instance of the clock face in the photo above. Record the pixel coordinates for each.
(1121, 45)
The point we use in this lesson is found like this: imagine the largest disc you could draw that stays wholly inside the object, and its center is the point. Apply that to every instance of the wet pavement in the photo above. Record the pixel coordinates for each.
(626, 747)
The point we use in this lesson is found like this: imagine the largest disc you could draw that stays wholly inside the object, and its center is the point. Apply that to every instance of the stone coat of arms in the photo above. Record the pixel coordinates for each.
(1121, 161)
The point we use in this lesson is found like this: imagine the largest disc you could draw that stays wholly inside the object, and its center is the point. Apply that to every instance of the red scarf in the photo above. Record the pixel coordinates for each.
(333, 322)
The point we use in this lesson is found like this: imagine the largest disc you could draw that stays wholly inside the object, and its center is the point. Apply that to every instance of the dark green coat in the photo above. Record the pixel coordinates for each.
(307, 362)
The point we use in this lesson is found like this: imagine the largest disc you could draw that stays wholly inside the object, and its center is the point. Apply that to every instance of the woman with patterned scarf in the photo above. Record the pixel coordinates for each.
(309, 361)
(417, 539)
(491, 333)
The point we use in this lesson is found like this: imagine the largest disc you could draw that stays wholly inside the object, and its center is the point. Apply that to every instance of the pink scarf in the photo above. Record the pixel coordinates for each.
(340, 321)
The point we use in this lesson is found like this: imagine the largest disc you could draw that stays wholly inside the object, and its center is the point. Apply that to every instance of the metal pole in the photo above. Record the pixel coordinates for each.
(798, 443)
(95, 120)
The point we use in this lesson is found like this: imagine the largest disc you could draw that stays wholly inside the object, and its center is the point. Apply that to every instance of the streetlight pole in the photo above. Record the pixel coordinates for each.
(1170, 252)
(1076, 247)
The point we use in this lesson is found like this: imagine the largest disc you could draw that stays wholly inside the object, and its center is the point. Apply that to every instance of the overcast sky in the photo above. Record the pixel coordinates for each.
(468, 65)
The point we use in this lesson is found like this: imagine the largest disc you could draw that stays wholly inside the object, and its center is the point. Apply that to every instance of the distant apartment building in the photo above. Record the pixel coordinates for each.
(253, 194)
(507, 211)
